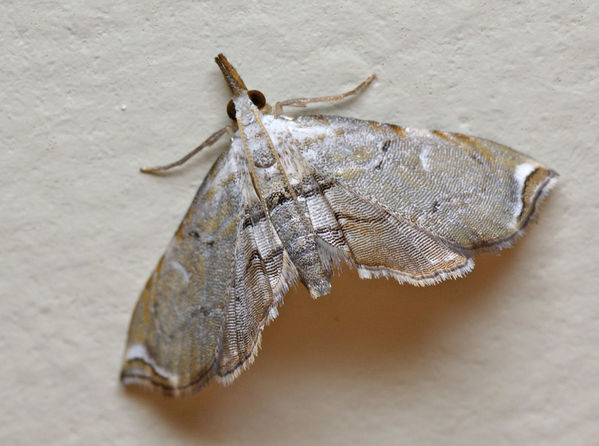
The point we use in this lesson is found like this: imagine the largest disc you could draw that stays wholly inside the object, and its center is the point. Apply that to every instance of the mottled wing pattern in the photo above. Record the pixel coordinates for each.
(217, 285)
(415, 204)
(290, 199)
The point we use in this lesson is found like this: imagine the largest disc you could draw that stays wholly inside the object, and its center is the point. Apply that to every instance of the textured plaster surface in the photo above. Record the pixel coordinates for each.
(90, 91)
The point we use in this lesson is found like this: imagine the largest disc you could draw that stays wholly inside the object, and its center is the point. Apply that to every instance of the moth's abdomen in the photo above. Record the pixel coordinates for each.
(291, 223)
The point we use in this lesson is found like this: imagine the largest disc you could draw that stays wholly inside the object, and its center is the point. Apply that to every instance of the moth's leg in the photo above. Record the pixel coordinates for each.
(302, 102)
(211, 140)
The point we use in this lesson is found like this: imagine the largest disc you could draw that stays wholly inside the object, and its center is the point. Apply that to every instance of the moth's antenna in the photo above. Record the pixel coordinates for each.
(211, 140)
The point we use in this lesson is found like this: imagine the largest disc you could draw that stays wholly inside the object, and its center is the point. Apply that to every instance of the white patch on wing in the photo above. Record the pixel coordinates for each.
(521, 173)
(281, 129)
(417, 133)
(138, 351)
(178, 267)
(282, 125)
(424, 159)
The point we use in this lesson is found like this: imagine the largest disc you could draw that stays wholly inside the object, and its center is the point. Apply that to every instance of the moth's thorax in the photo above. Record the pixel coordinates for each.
(254, 137)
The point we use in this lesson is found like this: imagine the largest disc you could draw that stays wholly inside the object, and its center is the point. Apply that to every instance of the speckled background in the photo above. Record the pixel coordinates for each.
(90, 91)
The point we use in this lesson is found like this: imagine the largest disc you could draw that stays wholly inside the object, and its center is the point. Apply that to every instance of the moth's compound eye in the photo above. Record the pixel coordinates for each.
(257, 98)
(231, 110)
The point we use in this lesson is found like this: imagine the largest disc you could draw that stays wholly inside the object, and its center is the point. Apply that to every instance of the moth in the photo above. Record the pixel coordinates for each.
(294, 198)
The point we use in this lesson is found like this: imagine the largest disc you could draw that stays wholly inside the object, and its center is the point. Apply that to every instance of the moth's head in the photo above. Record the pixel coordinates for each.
(240, 92)
(256, 97)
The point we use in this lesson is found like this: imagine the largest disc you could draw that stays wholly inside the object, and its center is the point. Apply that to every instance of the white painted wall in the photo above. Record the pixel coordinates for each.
(90, 91)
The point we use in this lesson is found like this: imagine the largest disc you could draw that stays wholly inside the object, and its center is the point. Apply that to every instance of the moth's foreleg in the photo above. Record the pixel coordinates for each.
(302, 102)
